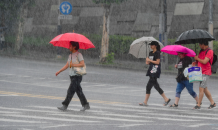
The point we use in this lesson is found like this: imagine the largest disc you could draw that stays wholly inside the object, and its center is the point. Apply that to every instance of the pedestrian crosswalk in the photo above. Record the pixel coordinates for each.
(117, 115)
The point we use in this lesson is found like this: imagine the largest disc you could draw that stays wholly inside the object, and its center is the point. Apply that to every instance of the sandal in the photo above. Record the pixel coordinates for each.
(174, 105)
(212, 106)
(197, 103)
(143, 104)
(197, 107)
(166, 103)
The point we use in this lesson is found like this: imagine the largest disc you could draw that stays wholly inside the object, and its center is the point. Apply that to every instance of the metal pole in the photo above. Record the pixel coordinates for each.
(210, 24)
(59, 30)
(165, 32)
(161, 21)
(161, 30)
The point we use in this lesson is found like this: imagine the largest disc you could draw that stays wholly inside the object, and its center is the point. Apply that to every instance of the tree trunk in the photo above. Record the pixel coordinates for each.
(19, 36)
(105, 34)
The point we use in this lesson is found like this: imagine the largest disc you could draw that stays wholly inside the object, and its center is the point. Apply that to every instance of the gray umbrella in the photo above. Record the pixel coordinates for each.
(194, 36)
(140, 48)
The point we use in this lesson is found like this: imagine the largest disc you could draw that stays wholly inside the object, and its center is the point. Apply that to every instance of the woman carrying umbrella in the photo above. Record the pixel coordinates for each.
(183, 82)
(154, 72)
(74, 42)
(75, 79)
(184, 54)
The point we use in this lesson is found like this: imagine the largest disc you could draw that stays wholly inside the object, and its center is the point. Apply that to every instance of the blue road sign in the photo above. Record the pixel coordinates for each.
(65, 8)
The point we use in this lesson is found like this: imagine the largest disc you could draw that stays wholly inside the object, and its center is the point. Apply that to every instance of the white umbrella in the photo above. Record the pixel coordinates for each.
(140, 48)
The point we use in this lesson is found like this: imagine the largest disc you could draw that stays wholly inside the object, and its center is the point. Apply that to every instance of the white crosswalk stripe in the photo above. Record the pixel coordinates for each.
(104, 114)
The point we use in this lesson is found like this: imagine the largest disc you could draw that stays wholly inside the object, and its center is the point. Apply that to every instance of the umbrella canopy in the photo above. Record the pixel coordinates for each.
(140, 48)
(63, 40)
(174, 49)
(194, 36)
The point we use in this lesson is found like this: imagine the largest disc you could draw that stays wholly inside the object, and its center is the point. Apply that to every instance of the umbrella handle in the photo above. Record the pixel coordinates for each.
(70, 64)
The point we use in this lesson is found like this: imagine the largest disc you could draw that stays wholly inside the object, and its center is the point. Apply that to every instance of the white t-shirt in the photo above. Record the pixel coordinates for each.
(75, 57)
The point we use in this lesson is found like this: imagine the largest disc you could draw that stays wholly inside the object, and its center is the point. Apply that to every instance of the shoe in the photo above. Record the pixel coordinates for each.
(86, 107)
(63, 108)
(212, 106)
(197, 107)
(174, 105)
(166, 103)
(197, 103)
(143, 104)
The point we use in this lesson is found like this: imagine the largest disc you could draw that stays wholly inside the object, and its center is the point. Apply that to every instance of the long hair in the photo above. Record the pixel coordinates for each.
(158, 47)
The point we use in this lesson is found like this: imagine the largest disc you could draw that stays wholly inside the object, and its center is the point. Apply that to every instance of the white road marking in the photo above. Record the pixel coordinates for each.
(8, 95)
(8, 112)
(53, 108)
(31, 84)
(49, 118)
(19, 109)
(116, 88)
(99, 85)
(20, 121)
(54, 126)
(181, 116)
(130, 125)
(103, 118)
(146, 117)
(196, 125)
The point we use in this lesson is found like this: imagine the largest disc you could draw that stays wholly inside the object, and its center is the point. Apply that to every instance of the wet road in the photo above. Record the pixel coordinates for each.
(30, 93)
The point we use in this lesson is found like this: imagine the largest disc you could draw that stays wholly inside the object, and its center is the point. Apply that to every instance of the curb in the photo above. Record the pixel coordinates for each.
(97, 65)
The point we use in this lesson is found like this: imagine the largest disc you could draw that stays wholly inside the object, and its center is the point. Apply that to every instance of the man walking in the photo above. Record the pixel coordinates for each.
(204, 60)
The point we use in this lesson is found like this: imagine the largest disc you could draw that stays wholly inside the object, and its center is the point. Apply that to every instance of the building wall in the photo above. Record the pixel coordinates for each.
(133, 18)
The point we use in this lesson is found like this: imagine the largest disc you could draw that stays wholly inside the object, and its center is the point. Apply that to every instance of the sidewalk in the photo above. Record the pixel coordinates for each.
(118, 64)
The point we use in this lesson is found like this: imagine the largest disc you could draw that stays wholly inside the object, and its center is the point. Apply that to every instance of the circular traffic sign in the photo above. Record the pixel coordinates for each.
(65, 8)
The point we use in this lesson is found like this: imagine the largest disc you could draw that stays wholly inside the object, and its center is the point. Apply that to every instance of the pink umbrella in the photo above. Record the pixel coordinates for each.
(63, 40)
(174, 49)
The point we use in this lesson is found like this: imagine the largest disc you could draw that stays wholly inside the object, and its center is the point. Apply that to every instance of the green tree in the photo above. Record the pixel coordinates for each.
(16, 10)
(106, 22)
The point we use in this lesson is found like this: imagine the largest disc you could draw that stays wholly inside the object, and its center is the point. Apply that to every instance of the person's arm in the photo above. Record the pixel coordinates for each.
(207, 58)
(81, 64)
(157, 62)
(146, 62)
(62, 69)
(203, 61)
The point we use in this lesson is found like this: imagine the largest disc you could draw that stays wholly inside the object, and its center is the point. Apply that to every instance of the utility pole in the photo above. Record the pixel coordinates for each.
(165, 41)
(210, 23)
(161, 31)
(59, 30)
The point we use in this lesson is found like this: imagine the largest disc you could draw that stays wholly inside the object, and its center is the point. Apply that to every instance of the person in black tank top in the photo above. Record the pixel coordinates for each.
(153, 72)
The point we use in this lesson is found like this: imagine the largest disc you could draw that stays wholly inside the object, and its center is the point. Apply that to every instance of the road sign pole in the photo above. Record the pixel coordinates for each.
(59, 31)
(210, 24)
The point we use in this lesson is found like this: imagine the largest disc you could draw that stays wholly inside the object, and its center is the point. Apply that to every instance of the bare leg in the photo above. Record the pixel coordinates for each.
(196, 99)
(164, 97)
(201, 95)
(146, 98)
(177, 100)
(208, 94)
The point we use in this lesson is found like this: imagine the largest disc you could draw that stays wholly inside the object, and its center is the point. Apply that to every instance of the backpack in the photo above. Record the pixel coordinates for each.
(213, 64)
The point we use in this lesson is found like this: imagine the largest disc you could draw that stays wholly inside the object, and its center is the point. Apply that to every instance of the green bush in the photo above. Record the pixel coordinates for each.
(37, 41)
(120, 44)
(110, 58)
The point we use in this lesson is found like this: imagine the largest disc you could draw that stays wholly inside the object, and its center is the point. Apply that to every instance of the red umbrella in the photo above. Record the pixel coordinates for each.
(63, 40)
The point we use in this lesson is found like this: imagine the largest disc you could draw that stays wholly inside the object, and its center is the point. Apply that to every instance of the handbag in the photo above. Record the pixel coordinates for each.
(79, 70)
